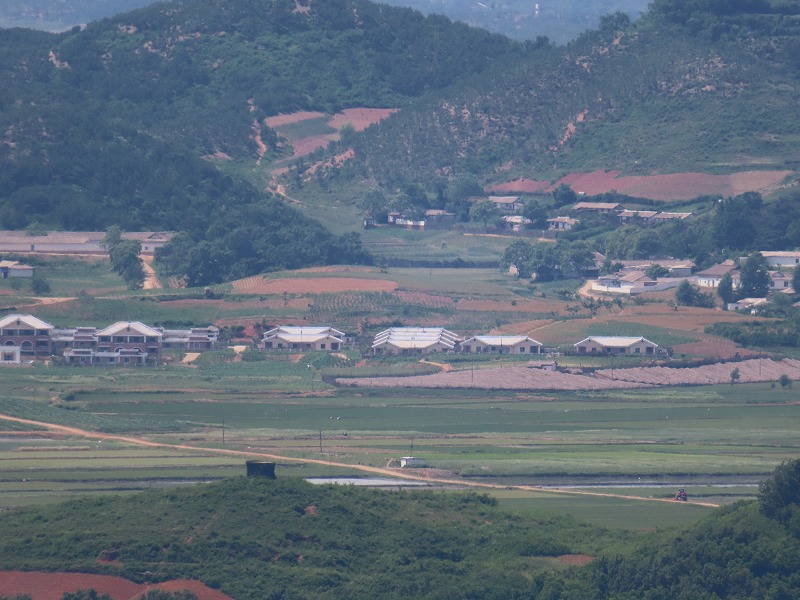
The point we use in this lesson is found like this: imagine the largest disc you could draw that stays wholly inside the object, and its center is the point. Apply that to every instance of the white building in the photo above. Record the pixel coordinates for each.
(288, 337)
(414, 340)
(501, 344)
(633, 346)
(782, 259)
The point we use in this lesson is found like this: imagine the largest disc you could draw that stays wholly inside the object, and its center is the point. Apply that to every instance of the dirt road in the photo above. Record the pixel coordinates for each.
(73, 431)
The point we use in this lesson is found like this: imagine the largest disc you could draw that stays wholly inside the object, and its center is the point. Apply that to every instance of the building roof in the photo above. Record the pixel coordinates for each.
(80, 237)
(568, 220)
(613, 341)
(415, 337)
(781, 254)
(27, 320)
(502, 340)
(671, 215)
(635, 277)
(504, 199)
(517, 220)
(644, 214)
(597, 206)
(718, 270)
(124, 327)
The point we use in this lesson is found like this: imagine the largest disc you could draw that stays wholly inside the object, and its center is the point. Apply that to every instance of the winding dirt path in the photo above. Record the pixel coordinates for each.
(74, 431)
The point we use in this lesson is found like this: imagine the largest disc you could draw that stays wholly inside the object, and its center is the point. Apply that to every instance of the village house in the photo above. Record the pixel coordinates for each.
(414, 340)
(711, 277)
(25, 337)
(13, 268)
(779, 281)
(501, 344)
(561, 223)
(289, 337)
(507, 204)
(632, 346)
(747, 304)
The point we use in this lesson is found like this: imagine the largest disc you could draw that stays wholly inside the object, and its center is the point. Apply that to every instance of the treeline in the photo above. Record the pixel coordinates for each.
(290, 539)
(653, 95)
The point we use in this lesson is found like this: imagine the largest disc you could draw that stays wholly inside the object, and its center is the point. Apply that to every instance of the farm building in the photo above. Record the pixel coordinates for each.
(782, 258)
(616, 345)
(26, 332)
(13, 268)
(77, 242)
(409, 462)
(414, 340)
(748, 304)
(628, 215)
(598, 207)
(288, 337)
(501, 344)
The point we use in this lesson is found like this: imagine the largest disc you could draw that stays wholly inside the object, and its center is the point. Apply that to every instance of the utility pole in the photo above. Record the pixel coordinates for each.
(223, 431)
(320, 441)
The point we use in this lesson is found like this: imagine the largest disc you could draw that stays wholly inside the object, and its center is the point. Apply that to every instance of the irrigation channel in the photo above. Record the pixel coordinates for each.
(393, 473)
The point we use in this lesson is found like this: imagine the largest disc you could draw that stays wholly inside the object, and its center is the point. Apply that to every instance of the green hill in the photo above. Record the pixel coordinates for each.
(691, 86)
(289, 539)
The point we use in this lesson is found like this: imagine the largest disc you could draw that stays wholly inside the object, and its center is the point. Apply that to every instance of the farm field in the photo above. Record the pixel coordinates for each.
(599, 435)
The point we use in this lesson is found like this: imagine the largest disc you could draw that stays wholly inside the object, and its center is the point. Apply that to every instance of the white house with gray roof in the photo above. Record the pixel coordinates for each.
(289, 337)
(501, 344)
(611, 344)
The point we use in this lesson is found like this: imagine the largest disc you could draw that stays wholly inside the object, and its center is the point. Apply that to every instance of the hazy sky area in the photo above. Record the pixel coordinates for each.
(559, 20)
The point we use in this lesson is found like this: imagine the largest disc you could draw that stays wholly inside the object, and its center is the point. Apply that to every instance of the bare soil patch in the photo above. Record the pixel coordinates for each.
(673, 186)
(575, 559)
(750, 371)
(501, 378)
(51, 586)
(360, 118)
(314, 285)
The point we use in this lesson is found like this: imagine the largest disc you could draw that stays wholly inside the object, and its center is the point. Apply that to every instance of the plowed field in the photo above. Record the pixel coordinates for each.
(51, 586)
(262, 285)
(674, 186)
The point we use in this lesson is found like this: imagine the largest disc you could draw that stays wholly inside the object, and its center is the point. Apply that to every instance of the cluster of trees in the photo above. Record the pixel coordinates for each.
(548, 261)
(124, 257)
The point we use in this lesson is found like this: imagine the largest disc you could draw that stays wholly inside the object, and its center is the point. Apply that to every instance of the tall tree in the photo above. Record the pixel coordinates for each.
(754, 277)
(725, 290)
(484, 211)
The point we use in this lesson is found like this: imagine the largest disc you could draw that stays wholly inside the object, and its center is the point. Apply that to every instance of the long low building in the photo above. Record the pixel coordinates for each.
(501, 344)
(290, 337)
(77, 242)
(414, 340)
(609, 344)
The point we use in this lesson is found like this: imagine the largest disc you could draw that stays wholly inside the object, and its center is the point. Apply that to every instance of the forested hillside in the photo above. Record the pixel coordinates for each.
(107, 125)
(288, 539)
(126, 121)
(692, 85)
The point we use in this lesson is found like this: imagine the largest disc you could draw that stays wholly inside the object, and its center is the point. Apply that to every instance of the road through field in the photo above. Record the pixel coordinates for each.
(74, 431)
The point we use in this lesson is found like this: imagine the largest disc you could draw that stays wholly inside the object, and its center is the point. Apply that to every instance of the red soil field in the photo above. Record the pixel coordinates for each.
(360, 118)
(288, 119)
(51, 586)
(674, 186)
